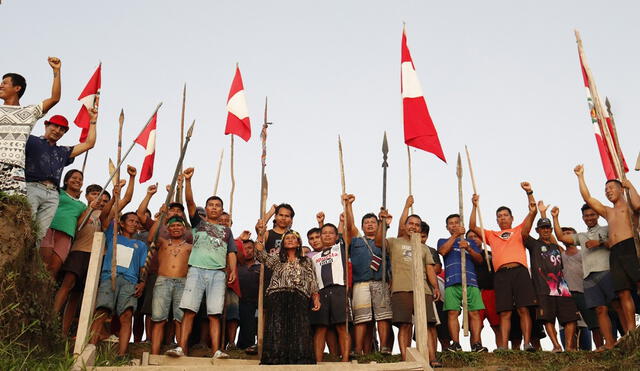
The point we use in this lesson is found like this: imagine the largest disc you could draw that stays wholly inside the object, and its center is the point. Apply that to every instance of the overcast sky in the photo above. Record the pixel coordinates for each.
(502, 77)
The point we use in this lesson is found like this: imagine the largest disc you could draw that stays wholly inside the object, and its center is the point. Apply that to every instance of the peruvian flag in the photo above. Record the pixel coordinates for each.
(89, 97)
(419, 131)
(238, 117)
(147, 139)
(605, 155)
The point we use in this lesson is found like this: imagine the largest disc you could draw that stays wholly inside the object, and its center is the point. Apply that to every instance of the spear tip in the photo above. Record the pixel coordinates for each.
(459, 166)
(121, 118)
(385, 144)
(190, 131)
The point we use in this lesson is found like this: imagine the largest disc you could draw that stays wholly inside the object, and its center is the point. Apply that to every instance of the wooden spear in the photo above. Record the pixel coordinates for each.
(215, 187)
(385, 165)
(264, 192)
(184, 101)
(345, 233)
(113, 174)
(463, 253)
(475, 191)
(116, 216)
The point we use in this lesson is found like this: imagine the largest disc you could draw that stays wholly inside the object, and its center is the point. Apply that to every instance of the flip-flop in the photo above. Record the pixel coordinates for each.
(557, 350)
(435, 364)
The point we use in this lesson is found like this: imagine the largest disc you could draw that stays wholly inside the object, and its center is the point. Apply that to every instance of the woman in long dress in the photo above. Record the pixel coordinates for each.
(288, 337)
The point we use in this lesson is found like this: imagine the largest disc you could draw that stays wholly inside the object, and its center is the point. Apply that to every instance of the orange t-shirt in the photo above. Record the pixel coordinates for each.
(506, 246)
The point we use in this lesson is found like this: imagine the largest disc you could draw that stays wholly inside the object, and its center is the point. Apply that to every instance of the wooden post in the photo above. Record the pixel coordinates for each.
(90, 291)
(116, 207)
(264, 193)
(419, 297)
(463, 254)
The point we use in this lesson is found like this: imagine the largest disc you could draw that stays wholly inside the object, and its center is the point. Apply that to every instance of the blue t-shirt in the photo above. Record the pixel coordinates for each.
(360, 257)
(453, 266)
(130, 257)
(45, 161)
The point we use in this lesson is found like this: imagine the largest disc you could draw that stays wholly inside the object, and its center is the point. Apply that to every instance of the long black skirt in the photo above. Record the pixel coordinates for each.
(287, 336)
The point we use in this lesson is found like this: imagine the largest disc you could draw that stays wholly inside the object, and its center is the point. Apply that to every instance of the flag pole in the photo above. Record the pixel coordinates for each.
(410, 177)
(86, 217)
(463, 253)
(263, 208)
(184, 101)
(385, 165)
(475, 191)
(215, 187)
(233, 180)
(345, 233)
(96, 103)
(116, 201)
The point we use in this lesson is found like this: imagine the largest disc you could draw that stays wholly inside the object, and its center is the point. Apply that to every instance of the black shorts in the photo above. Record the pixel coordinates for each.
(624, 266)
(588, 315)
(402, 308)
(514, 289)
(561, 307)
(537, 327)
(77, 263)
(332, 307)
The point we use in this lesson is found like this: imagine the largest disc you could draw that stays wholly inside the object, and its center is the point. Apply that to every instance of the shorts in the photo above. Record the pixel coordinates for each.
(77, 263)
(588, 315)
(514, 289)
(371, 301)
(453, 298)
(120, 300)
(442, 329)
(146, 299)
(561, 307)
(489, 300)
(537, 327)
(12, 181)
(167, 293)
(402, 306)
(201, 281)
(624, 266)
(598, 289)
(232, 306)
(60, 242)
(332, 307)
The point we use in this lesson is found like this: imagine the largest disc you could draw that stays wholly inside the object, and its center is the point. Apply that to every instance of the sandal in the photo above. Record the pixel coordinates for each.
(435, 364)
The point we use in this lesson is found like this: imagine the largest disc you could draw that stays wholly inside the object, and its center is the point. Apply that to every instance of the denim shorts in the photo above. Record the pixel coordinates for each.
(232, 302)
(121, 299)
(200, 281)
(167, 294)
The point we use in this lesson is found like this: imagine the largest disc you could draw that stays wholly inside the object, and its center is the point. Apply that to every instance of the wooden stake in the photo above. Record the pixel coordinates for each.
(264, 193)
(410, 177)
(385, 165)
(475, 191)
(419, 302)
(463, 253)
(215, 187)
(345, 236)
(233, 181)
(116, 216)
(184, 101)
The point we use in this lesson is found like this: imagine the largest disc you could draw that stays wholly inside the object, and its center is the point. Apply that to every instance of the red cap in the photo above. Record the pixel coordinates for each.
(57, 120)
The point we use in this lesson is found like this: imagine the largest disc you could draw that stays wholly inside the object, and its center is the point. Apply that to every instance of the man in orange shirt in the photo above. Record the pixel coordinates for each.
(512, 281)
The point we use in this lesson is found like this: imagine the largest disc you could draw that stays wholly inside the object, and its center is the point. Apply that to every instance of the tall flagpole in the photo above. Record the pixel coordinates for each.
(463, 253)
(233, 180)
(178, 194)
(116, 216)
(96, 104)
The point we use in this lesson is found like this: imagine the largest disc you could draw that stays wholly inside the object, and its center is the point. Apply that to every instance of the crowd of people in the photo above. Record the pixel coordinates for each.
(182, 278)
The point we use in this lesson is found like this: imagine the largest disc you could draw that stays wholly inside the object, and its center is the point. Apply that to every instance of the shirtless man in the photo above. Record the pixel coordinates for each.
(173, 258)
(623, 260)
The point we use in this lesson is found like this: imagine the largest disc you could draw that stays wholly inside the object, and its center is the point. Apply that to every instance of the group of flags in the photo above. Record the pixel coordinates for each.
(419, 129)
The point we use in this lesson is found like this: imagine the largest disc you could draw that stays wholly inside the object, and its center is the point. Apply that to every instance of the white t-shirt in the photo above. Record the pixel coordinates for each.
(329, 266)
(16, 123)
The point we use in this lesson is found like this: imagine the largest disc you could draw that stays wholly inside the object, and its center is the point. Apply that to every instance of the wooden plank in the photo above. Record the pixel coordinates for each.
(419, 304)
(90, 291)
(86, 359)
(145, 359)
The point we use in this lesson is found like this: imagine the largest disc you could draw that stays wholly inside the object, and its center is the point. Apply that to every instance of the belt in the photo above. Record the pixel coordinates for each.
(48, 184)
(509, 266)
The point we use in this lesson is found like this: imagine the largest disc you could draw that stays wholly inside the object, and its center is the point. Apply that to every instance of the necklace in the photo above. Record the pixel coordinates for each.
(179, 244)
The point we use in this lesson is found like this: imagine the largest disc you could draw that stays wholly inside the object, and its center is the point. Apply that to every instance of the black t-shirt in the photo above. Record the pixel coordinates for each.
(272, 245)
(546, 268)
(435, 255)
(249, 278)
(484, 275)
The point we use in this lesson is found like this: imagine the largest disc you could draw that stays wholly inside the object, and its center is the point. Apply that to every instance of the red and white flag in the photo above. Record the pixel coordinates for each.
(605, 155)
(147, 139)
(419, 131)
(238, 117)
(89, 97)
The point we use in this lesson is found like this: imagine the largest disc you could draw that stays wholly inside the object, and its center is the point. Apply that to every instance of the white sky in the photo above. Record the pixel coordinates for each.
(502, 77)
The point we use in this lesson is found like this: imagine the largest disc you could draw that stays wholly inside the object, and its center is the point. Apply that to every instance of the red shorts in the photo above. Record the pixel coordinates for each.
(489, 300)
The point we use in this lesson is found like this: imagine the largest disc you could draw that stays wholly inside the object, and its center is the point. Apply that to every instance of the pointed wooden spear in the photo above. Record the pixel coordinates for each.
(345, 233)
(385, 165)
(116, 216)
(111, 175)
(215, 186)
(463, 253)
(264, 192)
(475, 191)
(163, 214)
(184, 101)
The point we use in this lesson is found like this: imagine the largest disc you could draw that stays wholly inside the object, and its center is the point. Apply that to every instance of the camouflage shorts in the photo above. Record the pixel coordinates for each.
(12, 179)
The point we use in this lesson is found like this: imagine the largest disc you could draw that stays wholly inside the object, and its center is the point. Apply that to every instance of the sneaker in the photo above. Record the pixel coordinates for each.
(220, 355)
(232, 347)
(175, 352)
(529, 348)
(112, 339)
(252, 350)
(385, 351)
(454, 347)
(478, 348)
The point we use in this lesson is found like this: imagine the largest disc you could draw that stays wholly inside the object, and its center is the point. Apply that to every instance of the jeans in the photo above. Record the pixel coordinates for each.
(44, 203)
(201, 281)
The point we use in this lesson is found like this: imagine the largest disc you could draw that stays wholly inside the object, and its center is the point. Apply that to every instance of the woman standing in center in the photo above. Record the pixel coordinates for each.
(288, 337)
